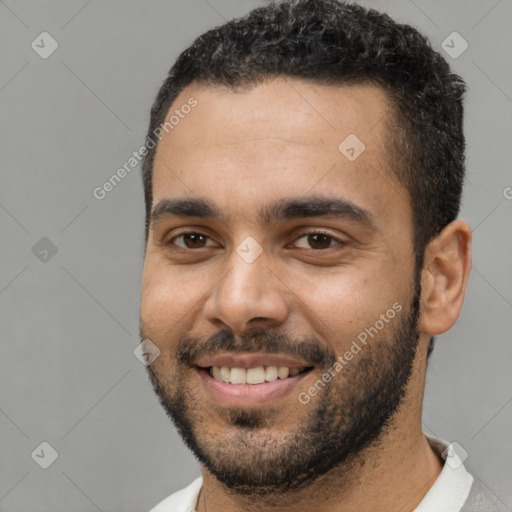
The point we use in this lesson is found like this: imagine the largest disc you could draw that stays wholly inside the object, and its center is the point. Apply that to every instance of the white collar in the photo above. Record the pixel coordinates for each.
(452, 486)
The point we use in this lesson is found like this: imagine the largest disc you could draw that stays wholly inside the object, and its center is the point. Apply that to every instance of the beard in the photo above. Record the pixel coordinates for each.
(262, 453)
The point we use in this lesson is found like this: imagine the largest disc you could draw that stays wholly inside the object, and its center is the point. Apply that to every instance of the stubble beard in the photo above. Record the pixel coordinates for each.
(332, 433)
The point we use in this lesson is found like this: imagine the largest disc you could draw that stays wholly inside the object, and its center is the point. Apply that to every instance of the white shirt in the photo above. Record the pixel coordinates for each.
(448, 494)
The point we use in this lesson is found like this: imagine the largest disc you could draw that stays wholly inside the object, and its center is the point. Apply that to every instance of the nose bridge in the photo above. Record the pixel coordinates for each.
(248, 291)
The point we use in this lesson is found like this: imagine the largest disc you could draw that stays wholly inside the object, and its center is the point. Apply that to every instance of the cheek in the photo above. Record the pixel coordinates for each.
(341, 305)
(168, 296)
(160, 313)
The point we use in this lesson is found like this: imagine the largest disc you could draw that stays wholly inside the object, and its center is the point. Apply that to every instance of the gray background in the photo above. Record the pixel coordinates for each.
(70, 323)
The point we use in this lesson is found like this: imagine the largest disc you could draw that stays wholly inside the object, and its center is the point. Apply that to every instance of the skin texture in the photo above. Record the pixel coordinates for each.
(242, 150)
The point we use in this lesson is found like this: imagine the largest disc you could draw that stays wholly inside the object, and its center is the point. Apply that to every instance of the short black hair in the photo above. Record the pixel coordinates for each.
(333, 42)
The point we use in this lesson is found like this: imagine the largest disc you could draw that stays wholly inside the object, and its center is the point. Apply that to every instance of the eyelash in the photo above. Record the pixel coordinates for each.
(302, 235)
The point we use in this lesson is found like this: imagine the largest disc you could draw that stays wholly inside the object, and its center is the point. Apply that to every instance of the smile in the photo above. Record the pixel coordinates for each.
(240, 386)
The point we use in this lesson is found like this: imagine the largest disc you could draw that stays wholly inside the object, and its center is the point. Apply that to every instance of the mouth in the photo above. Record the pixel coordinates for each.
(254, 376)
(235, 386)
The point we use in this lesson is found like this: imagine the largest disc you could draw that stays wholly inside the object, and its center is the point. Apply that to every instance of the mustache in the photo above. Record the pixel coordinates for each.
(189, 349)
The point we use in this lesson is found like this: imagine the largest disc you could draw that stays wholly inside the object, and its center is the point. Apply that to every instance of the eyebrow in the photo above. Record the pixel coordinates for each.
(271, 213)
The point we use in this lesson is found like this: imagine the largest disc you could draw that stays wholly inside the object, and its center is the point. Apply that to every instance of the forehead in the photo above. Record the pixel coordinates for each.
(283, 137)
(284, 108)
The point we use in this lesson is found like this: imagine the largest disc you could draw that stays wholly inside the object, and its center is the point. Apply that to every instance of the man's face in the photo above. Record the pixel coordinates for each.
(296, 283)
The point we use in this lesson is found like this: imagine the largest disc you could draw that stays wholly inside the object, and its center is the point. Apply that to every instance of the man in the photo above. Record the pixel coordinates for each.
(302, 251)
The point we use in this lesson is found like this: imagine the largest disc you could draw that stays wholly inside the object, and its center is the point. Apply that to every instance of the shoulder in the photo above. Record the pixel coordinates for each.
(482, 499)
(183, 500)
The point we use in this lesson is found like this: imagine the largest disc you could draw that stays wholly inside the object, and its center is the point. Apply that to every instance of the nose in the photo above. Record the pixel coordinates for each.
(249, 295)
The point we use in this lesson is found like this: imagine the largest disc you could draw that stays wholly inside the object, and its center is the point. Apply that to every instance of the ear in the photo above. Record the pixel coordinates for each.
(444, 278)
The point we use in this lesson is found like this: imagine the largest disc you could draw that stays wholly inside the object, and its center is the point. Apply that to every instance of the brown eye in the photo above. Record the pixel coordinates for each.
(190, 240)
(320, 241)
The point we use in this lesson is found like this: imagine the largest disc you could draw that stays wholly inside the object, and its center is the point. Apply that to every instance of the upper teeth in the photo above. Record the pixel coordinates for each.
(256, 375)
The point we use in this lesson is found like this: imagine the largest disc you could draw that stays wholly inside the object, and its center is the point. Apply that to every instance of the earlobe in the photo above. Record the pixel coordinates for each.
(444, 278)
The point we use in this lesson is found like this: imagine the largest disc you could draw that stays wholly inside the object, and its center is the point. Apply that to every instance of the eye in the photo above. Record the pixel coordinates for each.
(317, 240)
(191, 240)
(320, 240)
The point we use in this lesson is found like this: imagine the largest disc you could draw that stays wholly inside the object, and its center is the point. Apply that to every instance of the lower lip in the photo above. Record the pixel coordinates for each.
(244, 394)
